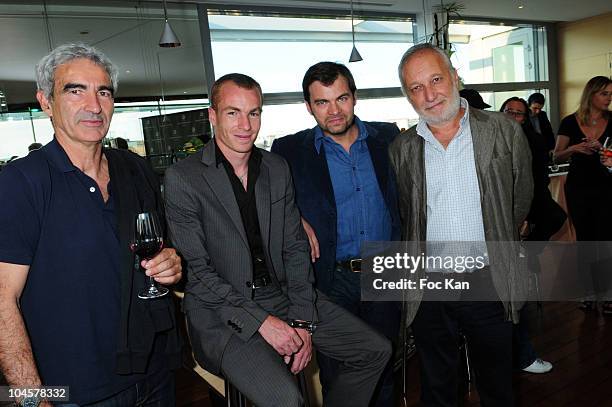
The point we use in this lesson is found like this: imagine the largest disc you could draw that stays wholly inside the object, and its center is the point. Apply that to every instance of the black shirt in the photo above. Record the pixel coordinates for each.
(248, 208)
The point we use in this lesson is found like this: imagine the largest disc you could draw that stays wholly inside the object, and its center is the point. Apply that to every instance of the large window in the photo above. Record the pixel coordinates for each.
(274, 45)
(501, 60)
(19, 130)
(277, 51)
(499, 53)
(128, 33)
(282, 120)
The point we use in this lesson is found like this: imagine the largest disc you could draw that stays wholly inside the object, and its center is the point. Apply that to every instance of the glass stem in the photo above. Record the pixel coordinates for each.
(152, 282)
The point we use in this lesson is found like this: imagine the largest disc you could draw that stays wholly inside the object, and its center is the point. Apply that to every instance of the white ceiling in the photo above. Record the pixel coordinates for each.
(128, 32)
(533, 10)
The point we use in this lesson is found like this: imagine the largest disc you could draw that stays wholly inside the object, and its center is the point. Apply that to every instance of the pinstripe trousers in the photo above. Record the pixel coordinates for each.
(261, 375)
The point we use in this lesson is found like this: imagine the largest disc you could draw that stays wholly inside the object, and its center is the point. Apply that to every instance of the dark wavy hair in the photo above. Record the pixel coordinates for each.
(326, 73)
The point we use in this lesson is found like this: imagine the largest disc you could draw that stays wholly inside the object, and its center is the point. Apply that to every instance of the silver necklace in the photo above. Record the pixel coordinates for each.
(595, 121)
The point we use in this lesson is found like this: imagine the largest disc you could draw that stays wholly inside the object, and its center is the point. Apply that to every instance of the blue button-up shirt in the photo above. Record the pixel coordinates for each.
(362, 213)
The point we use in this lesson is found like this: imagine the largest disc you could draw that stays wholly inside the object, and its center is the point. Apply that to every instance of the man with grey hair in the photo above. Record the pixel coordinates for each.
(464, 176)
(69, 311)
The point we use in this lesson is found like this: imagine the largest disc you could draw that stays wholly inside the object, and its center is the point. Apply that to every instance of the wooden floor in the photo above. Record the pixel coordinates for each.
(578, 343)
(191, 390)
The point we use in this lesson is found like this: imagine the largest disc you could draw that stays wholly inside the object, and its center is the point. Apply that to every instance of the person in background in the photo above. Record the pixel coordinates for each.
(34, 146)
(121, 143)
(69, 309)
(545, 218)
(346, 193)
(588, 188)
(539, 120)
(474, 99)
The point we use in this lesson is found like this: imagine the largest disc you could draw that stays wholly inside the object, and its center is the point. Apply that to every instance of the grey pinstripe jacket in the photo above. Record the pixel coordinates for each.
(205, 225)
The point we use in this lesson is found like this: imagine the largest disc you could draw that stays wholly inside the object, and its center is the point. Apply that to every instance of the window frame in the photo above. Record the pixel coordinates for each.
(277, 98)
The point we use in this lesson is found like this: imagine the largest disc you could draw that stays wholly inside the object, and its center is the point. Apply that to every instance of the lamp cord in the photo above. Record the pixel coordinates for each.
(352, 24)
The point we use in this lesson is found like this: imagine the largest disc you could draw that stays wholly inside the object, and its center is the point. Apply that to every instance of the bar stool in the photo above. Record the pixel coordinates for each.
(465, 373)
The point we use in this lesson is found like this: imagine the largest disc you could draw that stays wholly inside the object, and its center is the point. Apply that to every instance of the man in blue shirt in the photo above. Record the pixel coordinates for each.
(346, 193)
(68, 299)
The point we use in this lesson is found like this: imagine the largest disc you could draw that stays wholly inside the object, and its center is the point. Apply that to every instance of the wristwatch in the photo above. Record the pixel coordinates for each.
(30, 402)
(307, 325)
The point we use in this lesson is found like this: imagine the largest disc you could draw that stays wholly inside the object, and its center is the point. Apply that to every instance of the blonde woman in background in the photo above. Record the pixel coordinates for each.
(588, 188)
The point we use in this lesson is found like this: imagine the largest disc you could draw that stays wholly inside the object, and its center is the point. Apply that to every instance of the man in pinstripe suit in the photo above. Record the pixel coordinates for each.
(252, 312)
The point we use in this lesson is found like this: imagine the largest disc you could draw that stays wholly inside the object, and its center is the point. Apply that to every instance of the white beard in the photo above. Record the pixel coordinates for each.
(451, 110)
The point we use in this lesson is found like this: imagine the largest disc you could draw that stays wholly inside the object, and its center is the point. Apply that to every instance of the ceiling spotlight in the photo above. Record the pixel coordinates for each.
(168, 38)
(355, 55)
(521, 6)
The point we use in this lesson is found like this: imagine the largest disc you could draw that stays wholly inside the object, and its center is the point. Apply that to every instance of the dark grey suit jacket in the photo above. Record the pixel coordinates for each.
(503, 167)
(206, 228)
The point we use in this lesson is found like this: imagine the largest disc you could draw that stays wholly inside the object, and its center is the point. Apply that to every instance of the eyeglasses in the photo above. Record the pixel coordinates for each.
(514, 113)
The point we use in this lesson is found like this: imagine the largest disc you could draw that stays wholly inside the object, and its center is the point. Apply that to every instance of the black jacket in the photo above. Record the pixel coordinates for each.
(135, 188)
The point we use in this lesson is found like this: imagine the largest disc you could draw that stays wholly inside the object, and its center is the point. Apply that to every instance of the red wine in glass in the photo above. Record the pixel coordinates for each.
(146, 242)
(147, 249)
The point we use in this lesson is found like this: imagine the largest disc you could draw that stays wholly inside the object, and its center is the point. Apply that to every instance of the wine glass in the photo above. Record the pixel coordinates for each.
(607, 147)
(146, 242)
(605, 155)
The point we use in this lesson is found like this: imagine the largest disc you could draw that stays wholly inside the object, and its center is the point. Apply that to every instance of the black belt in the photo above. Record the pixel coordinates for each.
(353, 264)
(259, 283)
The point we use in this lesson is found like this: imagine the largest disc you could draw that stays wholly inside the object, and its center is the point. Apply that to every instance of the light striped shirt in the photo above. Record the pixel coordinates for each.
(454, 211)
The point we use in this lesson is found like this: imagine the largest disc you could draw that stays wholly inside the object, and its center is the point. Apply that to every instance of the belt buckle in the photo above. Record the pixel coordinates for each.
(355, 265)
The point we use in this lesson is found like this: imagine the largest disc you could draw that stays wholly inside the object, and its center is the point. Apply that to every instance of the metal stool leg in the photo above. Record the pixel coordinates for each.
(466, 377)
(467, 360)
(303, 386)
(233, 396)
